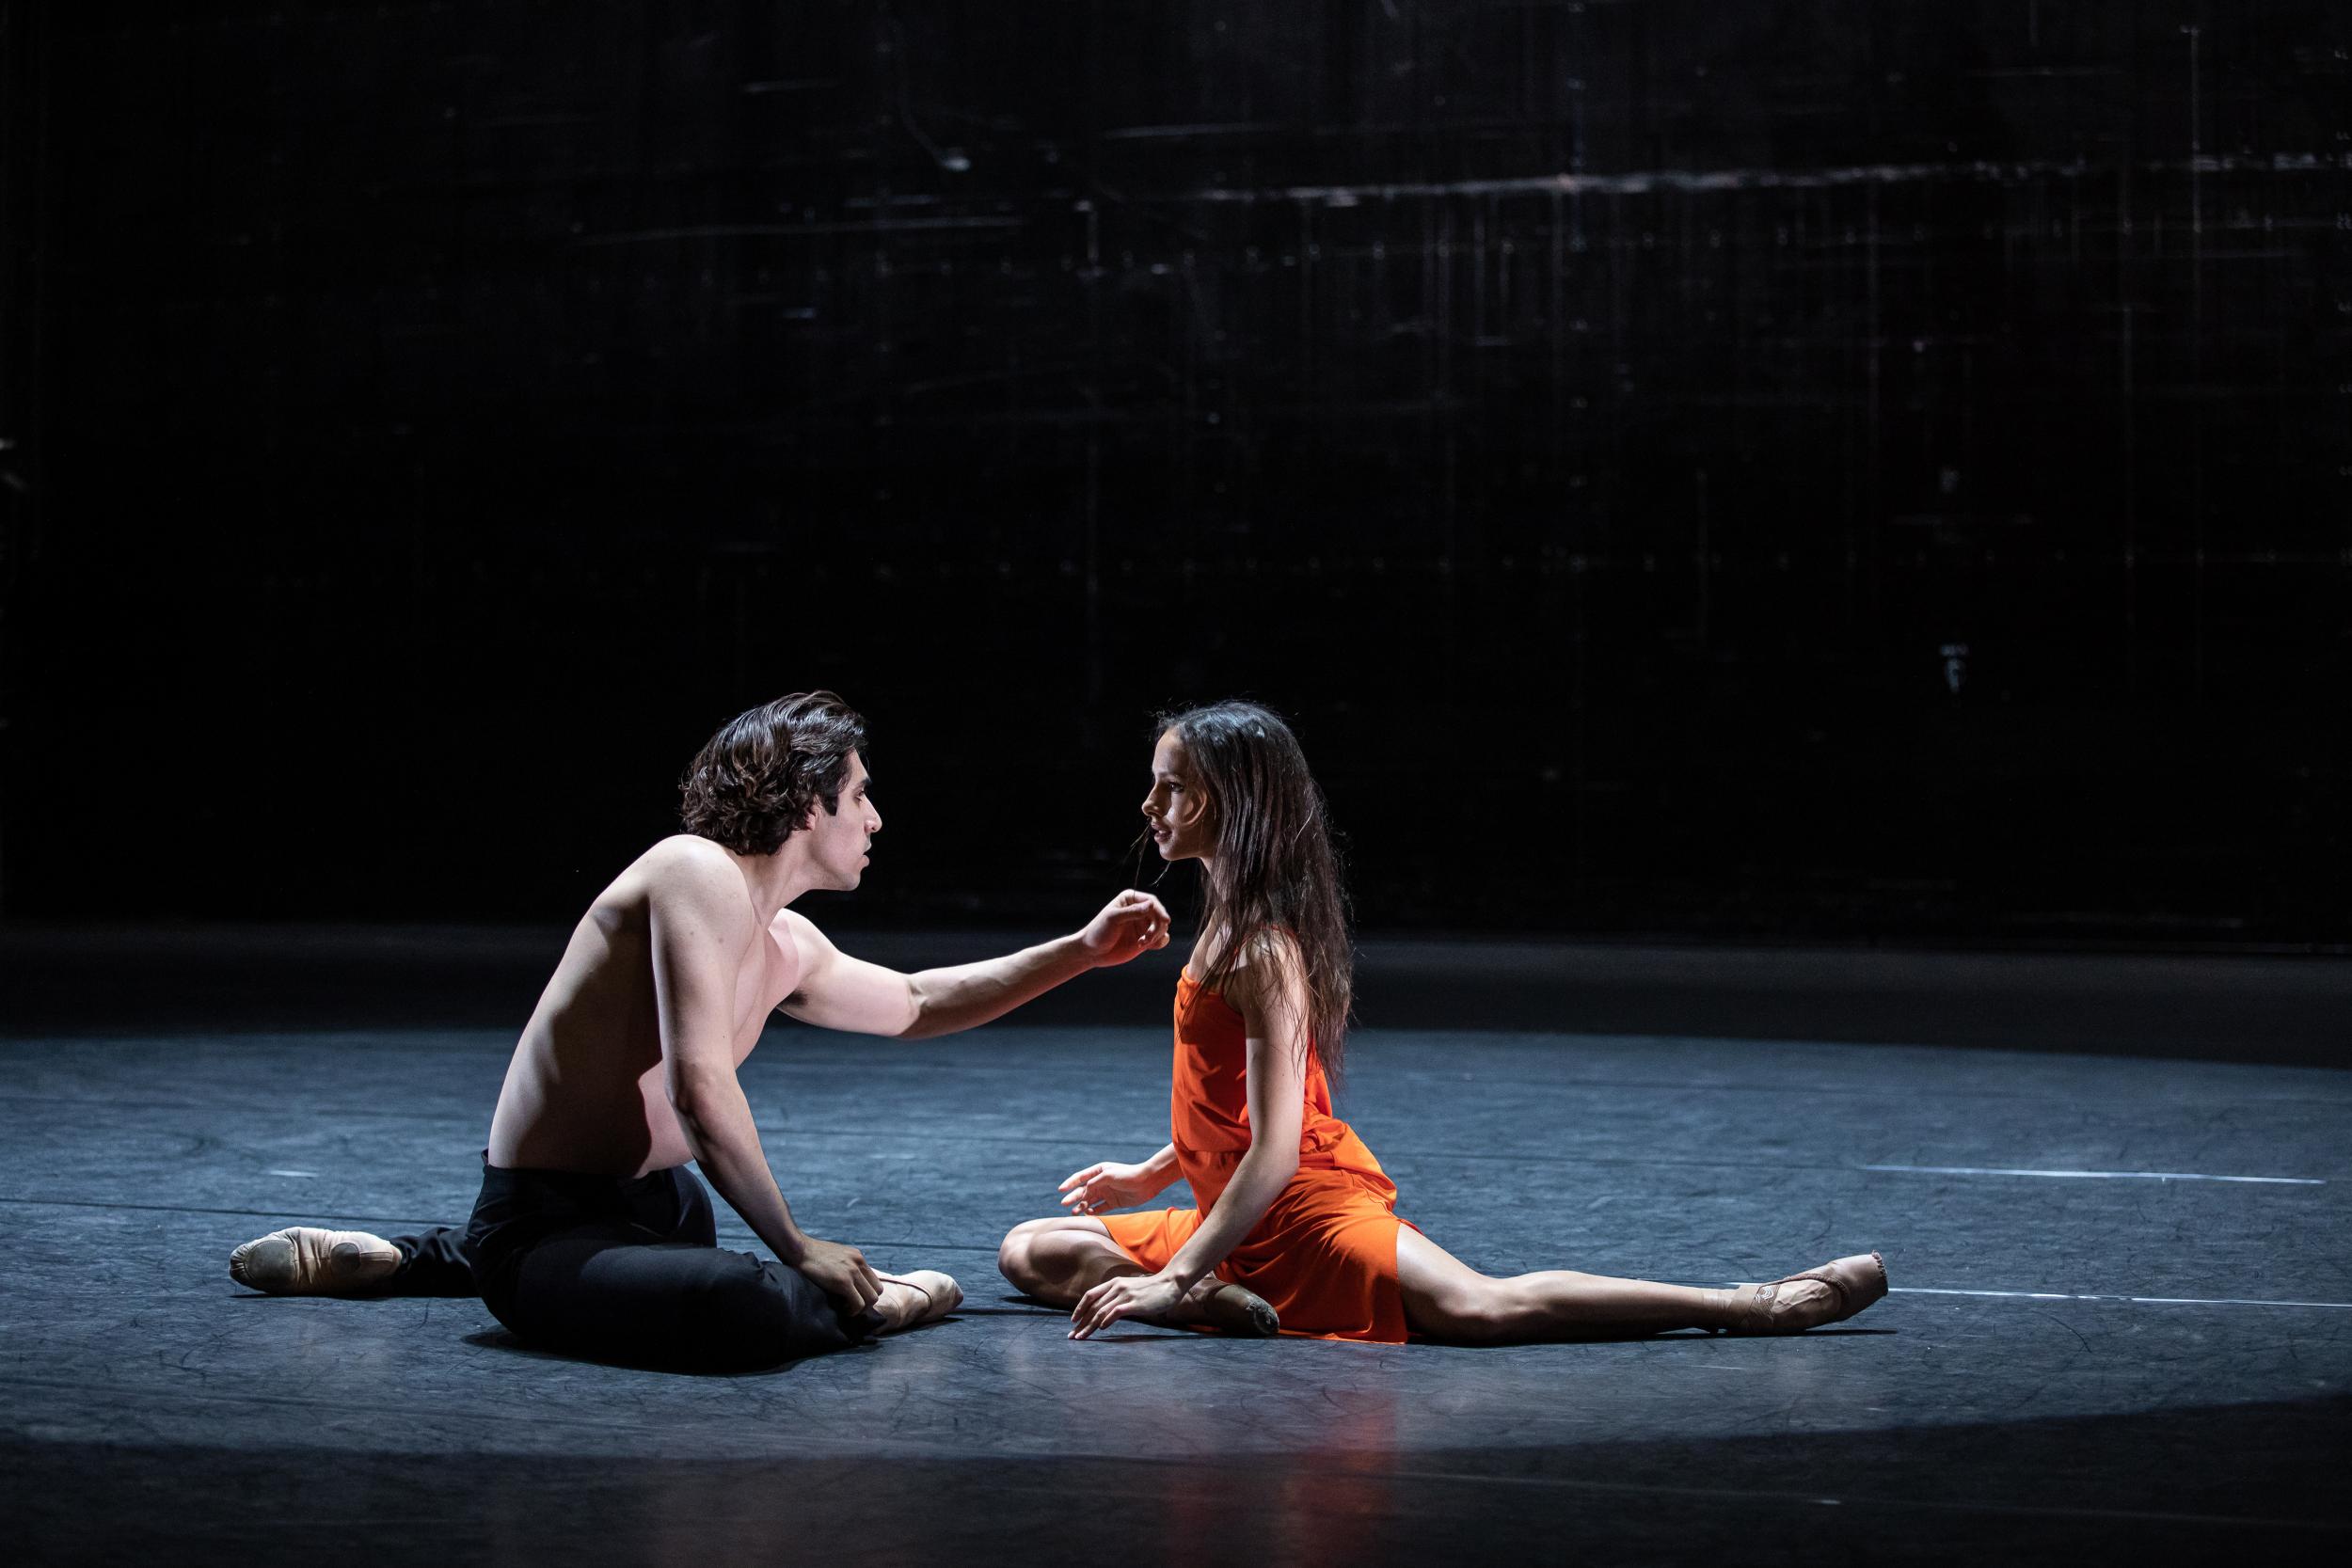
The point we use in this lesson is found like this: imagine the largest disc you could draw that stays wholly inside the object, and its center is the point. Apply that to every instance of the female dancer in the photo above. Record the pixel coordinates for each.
(1296, 1232)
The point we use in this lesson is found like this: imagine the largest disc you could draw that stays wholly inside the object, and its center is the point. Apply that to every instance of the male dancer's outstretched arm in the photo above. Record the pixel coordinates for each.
(837, 992)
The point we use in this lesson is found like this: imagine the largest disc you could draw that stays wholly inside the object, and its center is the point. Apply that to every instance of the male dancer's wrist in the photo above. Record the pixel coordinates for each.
(1071, 952)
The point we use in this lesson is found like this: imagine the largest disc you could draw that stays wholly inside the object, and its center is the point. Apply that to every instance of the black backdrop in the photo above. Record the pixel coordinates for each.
(1840, 470)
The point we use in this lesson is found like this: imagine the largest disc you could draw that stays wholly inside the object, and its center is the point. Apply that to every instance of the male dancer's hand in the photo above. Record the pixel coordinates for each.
(841, 1272)
(1130, 924)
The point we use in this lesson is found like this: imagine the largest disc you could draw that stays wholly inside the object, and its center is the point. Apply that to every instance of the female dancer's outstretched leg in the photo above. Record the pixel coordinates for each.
(1447, 1299)
(1062, 1256)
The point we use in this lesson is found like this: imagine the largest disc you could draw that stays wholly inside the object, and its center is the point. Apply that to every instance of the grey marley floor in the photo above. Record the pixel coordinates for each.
(2112, 1193)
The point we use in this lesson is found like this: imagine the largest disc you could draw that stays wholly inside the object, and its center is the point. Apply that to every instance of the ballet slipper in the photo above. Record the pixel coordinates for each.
(1230, 1309)
(305, 1260)
(939, 1293)
(1831, 1293)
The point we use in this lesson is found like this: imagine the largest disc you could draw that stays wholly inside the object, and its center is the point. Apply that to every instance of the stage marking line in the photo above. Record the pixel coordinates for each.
(2101, 1175)
(2141, 1301)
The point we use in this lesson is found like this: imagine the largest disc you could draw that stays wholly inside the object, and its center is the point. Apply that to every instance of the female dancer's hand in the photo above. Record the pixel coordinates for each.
(1103, 1186)
(1130, 924)
(1129, 1295)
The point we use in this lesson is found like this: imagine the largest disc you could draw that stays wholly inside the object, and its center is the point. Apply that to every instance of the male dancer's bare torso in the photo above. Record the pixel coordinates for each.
(585, 1090)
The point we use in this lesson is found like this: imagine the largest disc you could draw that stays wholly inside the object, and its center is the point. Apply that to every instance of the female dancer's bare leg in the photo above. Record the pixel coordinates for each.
(1062, 1256)
(1447, 1299)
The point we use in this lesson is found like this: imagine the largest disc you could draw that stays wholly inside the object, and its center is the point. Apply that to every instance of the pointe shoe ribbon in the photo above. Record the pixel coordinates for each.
(901, 1279)
(1849, 1285)
(934, 1306)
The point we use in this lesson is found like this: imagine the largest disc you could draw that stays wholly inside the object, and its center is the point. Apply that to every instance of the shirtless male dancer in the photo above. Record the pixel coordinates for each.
(590, 1237)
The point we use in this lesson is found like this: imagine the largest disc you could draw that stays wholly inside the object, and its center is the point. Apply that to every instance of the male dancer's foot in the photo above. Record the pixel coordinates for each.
(1831, 1293)
(910, 1300)
(305, 1260)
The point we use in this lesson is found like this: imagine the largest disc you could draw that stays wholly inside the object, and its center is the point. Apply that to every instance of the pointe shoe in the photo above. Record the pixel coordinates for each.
(935, 1295)
(1831, 1293)
(305, 1260)
(1231, 1309)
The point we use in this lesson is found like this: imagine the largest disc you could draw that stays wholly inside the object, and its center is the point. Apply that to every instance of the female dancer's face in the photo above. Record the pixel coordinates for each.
(1177, 808)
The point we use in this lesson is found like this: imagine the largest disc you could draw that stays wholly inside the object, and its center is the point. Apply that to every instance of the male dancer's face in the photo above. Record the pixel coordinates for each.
(1177, 808)
(839, 841)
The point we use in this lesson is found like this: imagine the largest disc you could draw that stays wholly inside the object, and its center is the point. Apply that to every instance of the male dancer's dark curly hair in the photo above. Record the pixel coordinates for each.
(1277, 868)
(754, 782)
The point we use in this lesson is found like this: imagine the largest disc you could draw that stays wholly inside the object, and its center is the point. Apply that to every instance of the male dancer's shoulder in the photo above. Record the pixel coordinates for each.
(685, 874)
(688, 851)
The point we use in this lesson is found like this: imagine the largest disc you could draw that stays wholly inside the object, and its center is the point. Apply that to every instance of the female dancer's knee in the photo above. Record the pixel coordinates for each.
(1058, 1258)
(1016, 1254)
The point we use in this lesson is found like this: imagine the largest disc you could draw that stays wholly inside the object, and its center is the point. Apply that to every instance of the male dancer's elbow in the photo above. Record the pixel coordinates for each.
(696, 1092)
(922, 1020)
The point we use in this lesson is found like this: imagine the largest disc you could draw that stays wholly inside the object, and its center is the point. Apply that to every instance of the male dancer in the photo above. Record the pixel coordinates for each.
(589, 1236)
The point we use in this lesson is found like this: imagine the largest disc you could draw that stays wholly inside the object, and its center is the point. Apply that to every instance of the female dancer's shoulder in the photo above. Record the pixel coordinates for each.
(1266, 971)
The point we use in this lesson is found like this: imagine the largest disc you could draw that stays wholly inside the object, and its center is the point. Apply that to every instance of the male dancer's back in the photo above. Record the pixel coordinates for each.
(589, 1236)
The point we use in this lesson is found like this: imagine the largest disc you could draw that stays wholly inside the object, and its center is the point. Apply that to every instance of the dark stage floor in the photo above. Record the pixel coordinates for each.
(2121, 1326)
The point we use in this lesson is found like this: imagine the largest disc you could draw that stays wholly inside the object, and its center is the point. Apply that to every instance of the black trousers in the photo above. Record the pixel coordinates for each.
(624, 1268)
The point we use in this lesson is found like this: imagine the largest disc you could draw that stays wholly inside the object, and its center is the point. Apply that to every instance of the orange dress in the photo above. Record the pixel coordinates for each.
(1324, 1254)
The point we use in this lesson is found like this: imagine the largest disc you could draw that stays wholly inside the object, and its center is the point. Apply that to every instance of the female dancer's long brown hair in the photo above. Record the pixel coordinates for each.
(1276, 867)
